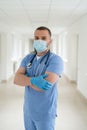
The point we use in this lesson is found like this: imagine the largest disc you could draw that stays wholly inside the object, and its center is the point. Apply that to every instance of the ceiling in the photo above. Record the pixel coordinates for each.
(26, 15)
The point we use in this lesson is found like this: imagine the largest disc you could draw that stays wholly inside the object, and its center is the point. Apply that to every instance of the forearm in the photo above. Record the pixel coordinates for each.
(23, 80)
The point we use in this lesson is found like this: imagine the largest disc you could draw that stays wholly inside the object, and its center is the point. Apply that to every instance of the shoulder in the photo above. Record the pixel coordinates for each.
(55, 58)
(28, 56)
(26, 59)
(55, 64)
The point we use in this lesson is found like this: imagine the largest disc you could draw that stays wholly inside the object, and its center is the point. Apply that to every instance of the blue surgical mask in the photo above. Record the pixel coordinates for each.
(40, 45)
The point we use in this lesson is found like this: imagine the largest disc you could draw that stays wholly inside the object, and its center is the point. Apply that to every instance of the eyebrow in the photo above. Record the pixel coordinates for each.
(41, 37)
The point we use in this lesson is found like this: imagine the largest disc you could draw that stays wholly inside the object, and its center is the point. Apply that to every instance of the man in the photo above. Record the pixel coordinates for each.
(39, 73)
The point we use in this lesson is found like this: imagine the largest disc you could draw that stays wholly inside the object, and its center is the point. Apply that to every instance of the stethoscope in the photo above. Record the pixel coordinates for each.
(29, 65)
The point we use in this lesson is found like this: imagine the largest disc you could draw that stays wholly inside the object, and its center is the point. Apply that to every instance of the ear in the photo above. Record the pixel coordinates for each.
(51, 40)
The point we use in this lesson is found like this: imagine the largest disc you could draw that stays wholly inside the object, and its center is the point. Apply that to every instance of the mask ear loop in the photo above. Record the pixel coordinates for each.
(48, 46)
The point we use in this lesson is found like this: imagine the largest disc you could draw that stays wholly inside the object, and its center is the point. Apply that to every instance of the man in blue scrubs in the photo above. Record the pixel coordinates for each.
(39, 73)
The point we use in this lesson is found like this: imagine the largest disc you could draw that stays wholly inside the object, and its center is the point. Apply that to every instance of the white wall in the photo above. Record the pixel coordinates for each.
(54, 46)
(68, 50)
(0, 56)
(5, 57)
(82, 59)
(31, 45)
(22, 46)
(10, 52)
(74, 53)
(9, 66)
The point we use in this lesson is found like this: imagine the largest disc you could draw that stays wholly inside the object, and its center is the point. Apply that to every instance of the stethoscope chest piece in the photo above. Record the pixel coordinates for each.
(29, 65)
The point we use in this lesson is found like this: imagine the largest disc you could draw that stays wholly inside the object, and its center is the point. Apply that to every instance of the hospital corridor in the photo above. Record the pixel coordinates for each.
(67, 22)
(72, 107)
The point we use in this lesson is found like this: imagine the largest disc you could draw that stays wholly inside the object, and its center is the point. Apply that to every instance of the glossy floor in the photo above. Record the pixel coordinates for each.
(72, 107)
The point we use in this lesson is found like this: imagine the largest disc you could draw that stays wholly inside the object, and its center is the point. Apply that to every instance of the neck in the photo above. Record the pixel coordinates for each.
(42, 53)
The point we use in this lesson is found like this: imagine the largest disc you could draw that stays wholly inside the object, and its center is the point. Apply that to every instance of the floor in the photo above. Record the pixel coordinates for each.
(72, 107)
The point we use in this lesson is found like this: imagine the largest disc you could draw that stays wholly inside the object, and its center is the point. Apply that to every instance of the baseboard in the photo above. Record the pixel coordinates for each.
(69, 80)
(6, 80)
(3, 81)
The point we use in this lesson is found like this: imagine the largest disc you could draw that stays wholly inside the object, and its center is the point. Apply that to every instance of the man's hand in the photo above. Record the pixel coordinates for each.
(40, 82)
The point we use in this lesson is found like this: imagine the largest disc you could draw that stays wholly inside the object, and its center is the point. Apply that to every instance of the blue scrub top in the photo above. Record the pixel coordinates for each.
(40, 105)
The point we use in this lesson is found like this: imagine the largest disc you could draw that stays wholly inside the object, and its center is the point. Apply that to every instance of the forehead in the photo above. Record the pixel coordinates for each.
(41, 33)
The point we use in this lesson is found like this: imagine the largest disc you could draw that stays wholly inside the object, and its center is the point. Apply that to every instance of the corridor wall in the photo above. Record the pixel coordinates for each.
(74, 40)
(5, 56)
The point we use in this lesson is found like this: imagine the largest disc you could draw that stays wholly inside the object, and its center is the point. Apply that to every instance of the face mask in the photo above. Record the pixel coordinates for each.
(40, 45)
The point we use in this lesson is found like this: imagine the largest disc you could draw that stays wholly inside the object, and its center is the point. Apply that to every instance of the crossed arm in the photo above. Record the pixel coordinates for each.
(22, 80)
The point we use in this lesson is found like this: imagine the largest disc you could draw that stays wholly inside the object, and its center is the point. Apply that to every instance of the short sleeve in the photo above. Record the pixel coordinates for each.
(23, 62)
(55, 65)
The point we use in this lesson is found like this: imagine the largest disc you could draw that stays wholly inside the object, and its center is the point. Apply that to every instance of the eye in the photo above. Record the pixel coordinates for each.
(43, 38)
(36, 38)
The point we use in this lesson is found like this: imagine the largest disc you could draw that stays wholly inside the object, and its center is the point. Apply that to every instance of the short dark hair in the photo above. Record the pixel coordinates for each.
(44, 28)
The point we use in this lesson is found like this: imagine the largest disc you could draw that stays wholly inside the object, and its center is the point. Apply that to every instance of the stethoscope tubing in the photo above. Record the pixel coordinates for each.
(29, 65)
